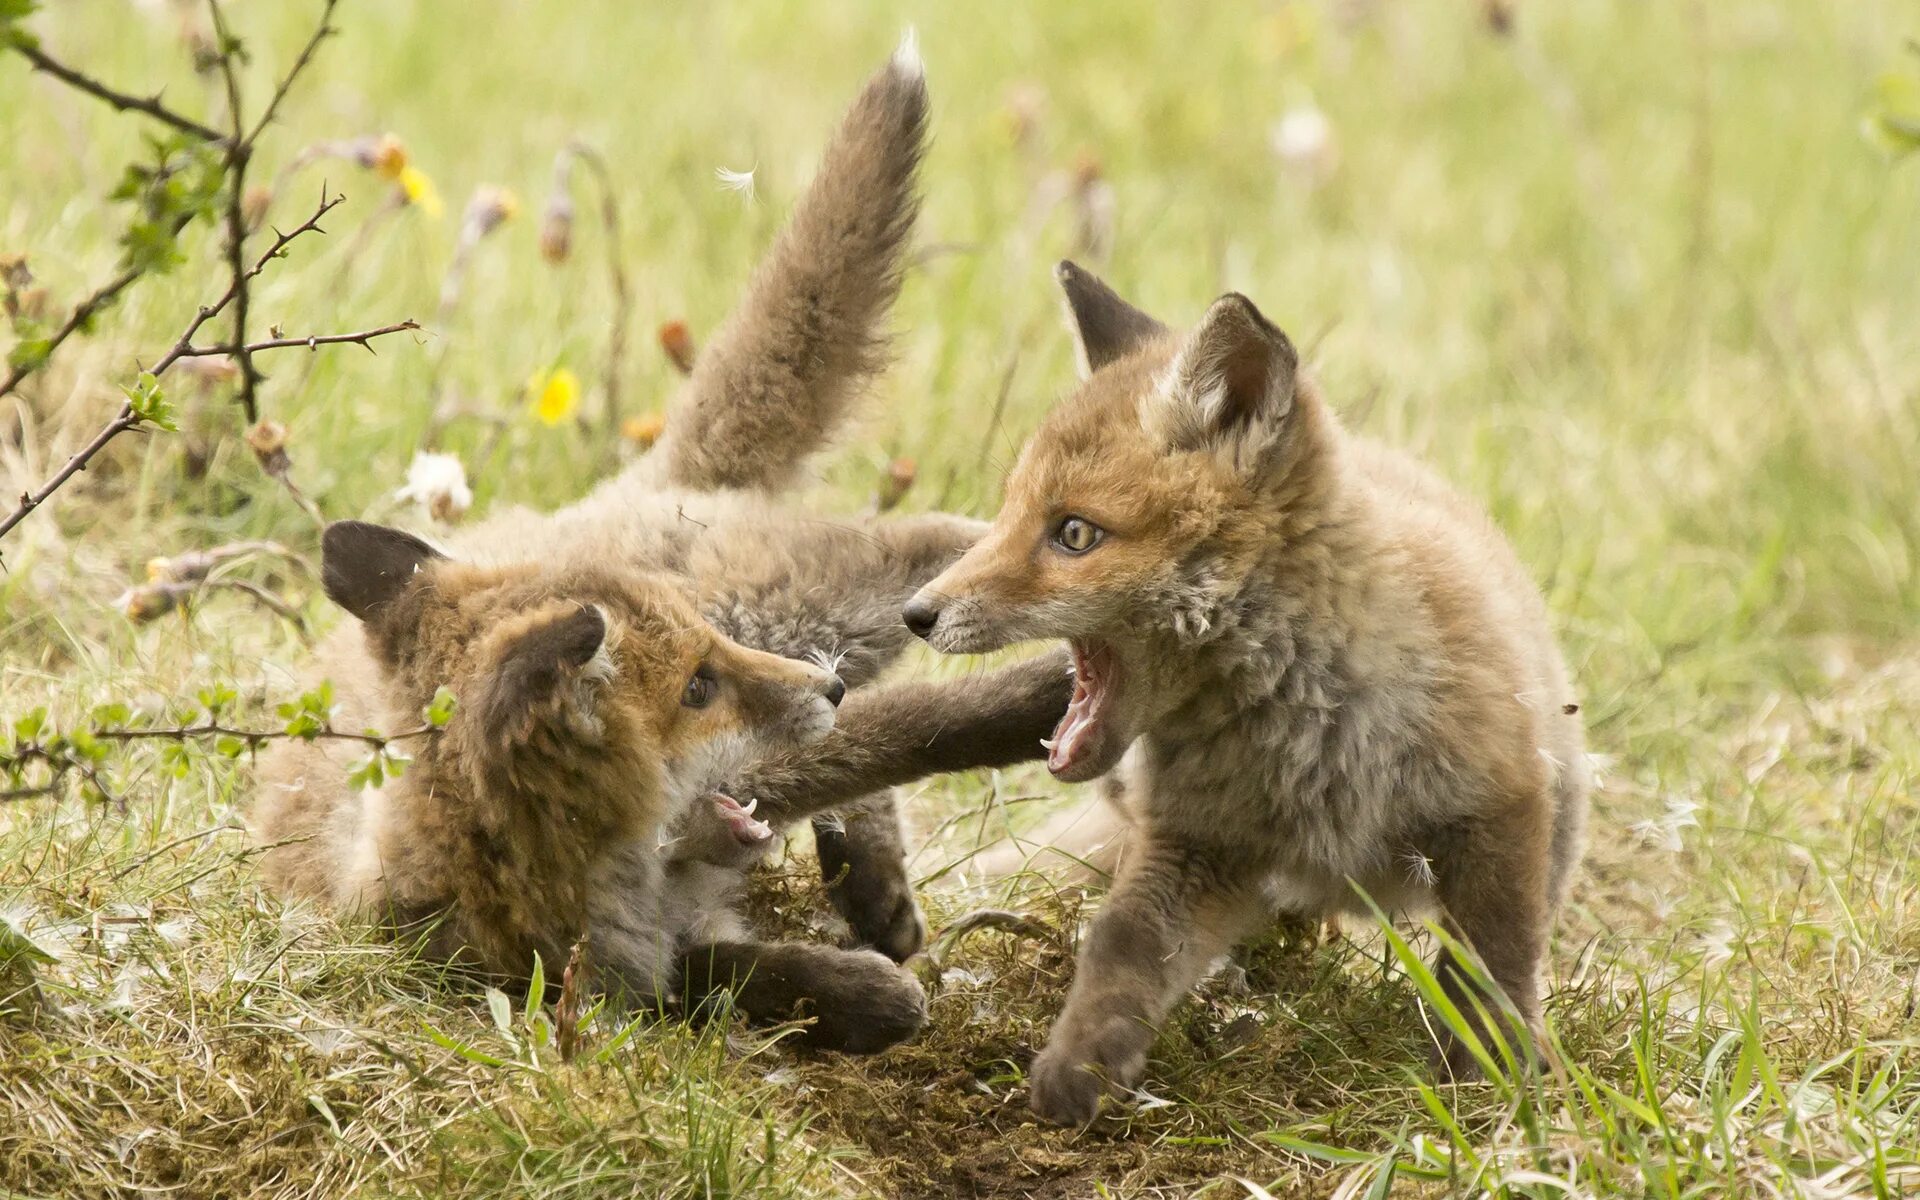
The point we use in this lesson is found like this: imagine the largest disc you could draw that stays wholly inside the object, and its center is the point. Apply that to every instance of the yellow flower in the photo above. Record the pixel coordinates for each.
(420, 191)
(556, 396)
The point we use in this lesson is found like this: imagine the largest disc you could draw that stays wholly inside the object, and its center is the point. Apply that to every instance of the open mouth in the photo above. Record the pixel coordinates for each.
(739, 819)
(1084, 744)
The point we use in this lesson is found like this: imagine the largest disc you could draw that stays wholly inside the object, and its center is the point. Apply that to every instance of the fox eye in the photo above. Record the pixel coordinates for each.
(1077, 535)
(701, 689)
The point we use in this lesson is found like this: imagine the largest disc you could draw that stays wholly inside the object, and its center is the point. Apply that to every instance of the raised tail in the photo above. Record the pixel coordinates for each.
(777, 379)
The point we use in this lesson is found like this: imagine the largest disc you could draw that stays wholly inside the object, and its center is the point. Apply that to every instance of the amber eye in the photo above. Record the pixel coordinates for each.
(701, 689)
(1077, 535)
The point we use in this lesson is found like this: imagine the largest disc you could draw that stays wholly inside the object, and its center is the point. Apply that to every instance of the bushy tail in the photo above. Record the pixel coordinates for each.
(777, 379)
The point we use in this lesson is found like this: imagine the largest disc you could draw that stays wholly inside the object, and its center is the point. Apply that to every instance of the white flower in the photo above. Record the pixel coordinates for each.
(1302, 139)
(437, 483)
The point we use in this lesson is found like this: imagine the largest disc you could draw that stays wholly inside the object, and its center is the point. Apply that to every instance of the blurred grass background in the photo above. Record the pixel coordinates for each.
(1627, 272)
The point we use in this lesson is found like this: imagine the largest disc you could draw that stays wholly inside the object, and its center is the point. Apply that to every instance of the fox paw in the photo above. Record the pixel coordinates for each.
(890, 923)
(1067, 1083)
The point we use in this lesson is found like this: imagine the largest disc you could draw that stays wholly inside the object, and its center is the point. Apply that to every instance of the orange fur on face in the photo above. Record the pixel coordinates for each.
(1309, 664)
(575, 731)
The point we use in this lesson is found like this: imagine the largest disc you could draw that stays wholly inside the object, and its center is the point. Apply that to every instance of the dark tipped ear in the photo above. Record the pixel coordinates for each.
(1231, 385)
(365, 566)
(526, 684)
(1105, 327)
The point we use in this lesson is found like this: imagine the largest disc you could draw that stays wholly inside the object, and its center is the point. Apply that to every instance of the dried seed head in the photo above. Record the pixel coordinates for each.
(268, 441)
(678, 343)
(643, 431)
(148, 601)
(901, 473)
(556, 229)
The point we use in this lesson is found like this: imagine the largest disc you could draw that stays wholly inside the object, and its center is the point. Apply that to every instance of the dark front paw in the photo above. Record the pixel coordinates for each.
(879, 1005)
(866, 873)
(888, 920)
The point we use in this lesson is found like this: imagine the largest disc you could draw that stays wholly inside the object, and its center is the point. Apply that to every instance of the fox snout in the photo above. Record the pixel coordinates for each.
(790, 700)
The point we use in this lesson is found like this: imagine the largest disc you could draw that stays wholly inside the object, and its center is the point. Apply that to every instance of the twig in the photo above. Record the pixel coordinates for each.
(29, 501)
(149, 105)
(126, 418)
(617, 273)
(310, 342)
(280, 243)
(82, 313)
(239, 155)
(59, 762)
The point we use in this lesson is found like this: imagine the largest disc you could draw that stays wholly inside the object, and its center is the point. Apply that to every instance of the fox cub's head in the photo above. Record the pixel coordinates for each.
(1138, 509)
(592, 695)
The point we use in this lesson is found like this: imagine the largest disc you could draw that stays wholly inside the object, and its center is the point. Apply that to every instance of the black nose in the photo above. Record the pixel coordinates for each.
(920, 615)
(836, 691)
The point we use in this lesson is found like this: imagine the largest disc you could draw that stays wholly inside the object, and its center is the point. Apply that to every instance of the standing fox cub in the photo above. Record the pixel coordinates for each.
(633, 720)
(1322, 667)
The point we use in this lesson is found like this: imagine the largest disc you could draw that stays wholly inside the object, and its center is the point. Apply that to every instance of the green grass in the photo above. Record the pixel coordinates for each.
(1630, 275)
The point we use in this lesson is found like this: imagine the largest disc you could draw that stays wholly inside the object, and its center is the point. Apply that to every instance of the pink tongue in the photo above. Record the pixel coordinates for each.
(746, 828)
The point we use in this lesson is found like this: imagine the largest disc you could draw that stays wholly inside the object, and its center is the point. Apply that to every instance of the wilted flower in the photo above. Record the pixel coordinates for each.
(643, 431)
(901, 473)
(678, 343)
(555, 395)
(268, 441)
(385, 155)
(556, 229)
(489, 208)
(1303, 141)
(149, 601)
(438, 484)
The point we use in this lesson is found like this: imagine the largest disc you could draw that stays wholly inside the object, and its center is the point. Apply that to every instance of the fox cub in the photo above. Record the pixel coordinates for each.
(1315, 665)
(634, 724)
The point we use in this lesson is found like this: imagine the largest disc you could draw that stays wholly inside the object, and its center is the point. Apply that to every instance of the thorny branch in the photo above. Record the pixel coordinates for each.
(126, 418)
(83, 312)
(287, 343)
(238, 146)
(239, 155)
(150, 105)
(59, 761)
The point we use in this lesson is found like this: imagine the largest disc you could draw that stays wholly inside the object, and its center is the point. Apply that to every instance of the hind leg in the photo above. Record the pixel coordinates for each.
(1493, 881)
(854, 1000)
(863, 858)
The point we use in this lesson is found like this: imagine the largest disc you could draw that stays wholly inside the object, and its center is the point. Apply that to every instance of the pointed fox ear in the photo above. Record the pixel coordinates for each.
(545, 670)
(1105, 327)
(365, 567)
(1231, 386)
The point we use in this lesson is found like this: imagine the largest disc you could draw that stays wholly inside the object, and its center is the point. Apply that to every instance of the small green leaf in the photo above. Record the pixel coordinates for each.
(112, 715)
(230, 746)
(29, 354)
(440, 709)
(149, 403)
(28, 726)
(16, 10)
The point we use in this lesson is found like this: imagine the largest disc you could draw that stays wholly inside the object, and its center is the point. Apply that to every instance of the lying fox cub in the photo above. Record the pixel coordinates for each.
(632, 724)
(1322, 666)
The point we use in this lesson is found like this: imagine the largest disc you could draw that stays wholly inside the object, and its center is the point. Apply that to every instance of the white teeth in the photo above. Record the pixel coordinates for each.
(1048, 744)
(749, 807)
